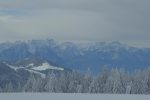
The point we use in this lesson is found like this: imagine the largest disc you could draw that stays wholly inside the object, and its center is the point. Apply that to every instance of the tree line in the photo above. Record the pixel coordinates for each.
(110, 81)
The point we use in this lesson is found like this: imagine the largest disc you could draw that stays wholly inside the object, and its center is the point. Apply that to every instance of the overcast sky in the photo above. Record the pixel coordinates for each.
(76, 20)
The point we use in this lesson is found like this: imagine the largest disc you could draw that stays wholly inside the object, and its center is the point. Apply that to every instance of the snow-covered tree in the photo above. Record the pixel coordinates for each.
(108, 81)
(114, 83)
(51, 83)
(32, 84)
(9, 87)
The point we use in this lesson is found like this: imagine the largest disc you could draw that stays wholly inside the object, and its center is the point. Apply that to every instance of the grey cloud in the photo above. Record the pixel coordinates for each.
(80, 19)
(94, 5)
(47, 4)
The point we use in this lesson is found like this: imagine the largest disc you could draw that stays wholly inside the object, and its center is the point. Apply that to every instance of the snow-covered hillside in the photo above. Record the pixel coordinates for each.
(46, 66)
(53, 80)
(36, 69)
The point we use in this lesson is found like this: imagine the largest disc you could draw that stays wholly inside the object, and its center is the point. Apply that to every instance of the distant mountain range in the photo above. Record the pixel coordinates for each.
(72, 56)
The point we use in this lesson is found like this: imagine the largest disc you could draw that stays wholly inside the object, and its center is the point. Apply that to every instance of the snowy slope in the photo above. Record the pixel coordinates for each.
(39, 96)
(35, 72)
(46, 66)
(36, 69)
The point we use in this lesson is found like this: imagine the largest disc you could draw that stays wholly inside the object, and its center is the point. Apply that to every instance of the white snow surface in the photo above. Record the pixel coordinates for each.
(32, 71)
(46, 66)
(35, 69)
(69, 96)
(14, 67)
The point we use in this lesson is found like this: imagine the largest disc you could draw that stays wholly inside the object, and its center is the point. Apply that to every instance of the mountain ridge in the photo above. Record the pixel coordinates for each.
(78, 56)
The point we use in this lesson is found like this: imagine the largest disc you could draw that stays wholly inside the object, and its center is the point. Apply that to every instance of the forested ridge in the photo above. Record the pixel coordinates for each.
(116, 81)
